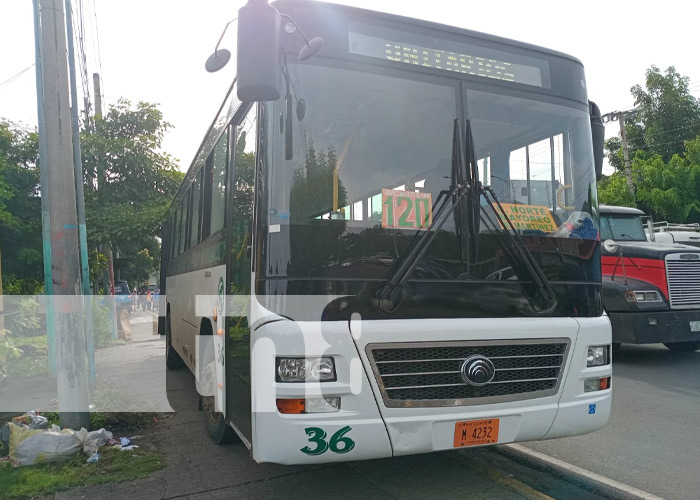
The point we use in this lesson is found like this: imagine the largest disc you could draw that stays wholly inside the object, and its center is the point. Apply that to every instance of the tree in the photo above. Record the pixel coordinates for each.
(20, 211)
(665, 116)
(129, 182)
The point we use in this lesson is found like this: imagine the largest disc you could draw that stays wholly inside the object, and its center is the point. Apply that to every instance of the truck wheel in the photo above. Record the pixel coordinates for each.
(683, 346)
(173, 361)
(218, 429)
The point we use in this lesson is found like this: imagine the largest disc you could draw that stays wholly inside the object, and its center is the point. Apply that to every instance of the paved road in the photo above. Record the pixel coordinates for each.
(198, 469)
(653, 439)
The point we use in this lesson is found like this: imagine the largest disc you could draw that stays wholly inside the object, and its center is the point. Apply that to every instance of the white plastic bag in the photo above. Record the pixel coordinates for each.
(35, 446)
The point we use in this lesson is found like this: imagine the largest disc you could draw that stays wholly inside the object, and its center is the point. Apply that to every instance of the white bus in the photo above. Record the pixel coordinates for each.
(357, 264)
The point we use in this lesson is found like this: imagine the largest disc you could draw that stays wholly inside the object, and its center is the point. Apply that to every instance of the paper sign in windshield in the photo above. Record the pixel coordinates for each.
(529, 217)
(406, 209)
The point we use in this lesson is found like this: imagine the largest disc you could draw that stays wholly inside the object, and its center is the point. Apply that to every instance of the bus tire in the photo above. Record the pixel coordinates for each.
(173, 361)
(219, 430)
(683, 346)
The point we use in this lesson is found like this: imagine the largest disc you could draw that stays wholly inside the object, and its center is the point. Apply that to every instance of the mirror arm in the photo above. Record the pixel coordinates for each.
(222, 35)
(291, 20)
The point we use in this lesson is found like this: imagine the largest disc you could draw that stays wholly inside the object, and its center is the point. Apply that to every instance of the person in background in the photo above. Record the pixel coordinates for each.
(156, 300)
(134, 300)
(149, 300)
(142, 301)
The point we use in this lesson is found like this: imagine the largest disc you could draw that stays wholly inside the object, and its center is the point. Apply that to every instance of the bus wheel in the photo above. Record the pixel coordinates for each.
(218, 429)
(173, 361)
(683, 346)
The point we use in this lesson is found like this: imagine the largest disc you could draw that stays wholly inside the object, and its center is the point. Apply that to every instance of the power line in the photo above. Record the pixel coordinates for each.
(16, 76)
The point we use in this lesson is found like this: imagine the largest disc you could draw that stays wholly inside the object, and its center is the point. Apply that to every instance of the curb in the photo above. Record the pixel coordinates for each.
(594, 482)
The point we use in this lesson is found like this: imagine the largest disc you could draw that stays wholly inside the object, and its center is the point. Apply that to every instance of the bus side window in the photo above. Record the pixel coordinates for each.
(216, 183)
(241, 197)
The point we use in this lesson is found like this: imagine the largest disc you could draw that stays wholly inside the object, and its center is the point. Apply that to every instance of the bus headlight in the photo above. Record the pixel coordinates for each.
(305, 370)
(597, 355)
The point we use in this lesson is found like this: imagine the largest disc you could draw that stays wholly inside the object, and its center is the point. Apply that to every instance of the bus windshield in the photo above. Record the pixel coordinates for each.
(368, 155)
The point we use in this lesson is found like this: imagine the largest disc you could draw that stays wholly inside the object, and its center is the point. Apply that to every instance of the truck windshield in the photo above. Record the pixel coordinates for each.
(371, 153)
(622, 227)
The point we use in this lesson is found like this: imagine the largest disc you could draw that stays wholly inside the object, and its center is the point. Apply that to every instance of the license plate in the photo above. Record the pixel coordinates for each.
(695, 326)
(474, 432)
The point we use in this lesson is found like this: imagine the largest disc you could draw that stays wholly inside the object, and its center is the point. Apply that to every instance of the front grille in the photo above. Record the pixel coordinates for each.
(429, 373)
(683, 281)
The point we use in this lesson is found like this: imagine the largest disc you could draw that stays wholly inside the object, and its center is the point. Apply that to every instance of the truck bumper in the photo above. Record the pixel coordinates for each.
(655, 327)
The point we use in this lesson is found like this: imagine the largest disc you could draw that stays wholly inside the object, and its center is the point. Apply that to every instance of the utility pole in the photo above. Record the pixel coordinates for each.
(43, 181)
(98, 95)
(80, 198)
(71, 374)
(108, 247)
(620, 116)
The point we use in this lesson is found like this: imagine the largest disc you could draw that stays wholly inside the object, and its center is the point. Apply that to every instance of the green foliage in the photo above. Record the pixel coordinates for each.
(33, 358)
(101, 323)
(669, 190)
(113, 466)
(20, 210)
(666, 115)
(666, 111)
(129, 183)
(138, 268)
(312, 189)
(98, 265)
(25, 320)
(663, 137)
(7, 350)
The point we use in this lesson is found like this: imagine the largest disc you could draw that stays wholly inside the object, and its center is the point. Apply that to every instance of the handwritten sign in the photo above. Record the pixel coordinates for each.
(529, 217)
(406, 209)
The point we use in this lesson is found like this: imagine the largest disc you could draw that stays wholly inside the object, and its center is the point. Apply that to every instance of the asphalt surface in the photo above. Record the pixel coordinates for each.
(653, 439)
(199, 469)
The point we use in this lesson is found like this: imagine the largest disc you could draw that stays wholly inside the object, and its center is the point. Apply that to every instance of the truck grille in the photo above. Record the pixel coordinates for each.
(429, 373)
(683, 277)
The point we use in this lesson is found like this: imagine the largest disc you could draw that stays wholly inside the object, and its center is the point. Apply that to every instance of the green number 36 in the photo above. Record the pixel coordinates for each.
(338, 443)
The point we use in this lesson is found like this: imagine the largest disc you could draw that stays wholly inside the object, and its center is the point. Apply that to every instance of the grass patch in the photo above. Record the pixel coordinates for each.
(114, 466)
(33, 360)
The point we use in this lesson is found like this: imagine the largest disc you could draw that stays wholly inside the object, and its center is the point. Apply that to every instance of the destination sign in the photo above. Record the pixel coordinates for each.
(459, 58)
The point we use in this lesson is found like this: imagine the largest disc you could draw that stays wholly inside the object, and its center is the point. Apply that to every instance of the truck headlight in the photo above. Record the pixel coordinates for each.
(305, 370)
(643, 296)
(597, 355)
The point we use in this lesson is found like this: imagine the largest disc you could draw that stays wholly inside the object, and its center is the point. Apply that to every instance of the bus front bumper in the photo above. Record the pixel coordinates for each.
(365, 428)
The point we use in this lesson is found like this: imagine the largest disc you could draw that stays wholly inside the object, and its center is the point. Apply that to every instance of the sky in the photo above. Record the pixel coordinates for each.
(154, 50)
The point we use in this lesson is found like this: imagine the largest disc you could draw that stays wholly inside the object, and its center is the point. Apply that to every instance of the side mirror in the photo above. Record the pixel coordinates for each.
(610, 246)
(598, 134)
(259, 73)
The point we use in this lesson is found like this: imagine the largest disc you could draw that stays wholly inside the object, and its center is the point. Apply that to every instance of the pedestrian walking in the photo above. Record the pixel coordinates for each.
(149, 300)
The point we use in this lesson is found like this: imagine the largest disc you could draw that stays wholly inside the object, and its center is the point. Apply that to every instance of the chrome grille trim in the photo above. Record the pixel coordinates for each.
(436, 381)
(683, 279)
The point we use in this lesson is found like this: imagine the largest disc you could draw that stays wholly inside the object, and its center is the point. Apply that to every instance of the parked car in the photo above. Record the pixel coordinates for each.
(122, 295)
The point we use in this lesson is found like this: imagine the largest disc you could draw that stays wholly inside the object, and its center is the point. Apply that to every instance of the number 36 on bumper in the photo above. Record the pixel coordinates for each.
(338, 443)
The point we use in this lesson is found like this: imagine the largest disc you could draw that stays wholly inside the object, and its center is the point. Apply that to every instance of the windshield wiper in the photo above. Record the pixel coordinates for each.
(516, 249)
(520, 255)
(446, 202)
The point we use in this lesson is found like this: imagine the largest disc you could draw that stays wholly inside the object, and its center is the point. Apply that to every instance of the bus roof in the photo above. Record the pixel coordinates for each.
(288, 5)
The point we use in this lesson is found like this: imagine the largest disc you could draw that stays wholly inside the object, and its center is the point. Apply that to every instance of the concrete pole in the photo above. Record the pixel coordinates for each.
(626, 154)
(43, 181)
(82, 228)
(98, 95)
(108, 246)
(71, 373)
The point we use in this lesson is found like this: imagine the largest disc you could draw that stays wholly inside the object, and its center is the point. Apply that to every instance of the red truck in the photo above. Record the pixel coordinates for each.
(651, 290)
